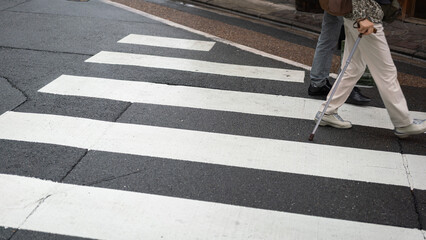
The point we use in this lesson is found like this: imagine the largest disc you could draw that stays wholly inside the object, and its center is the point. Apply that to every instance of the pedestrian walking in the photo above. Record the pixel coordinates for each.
(373, 51)
(326, 45)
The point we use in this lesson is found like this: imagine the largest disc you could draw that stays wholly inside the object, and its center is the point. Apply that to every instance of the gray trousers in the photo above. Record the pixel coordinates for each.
(326, 46)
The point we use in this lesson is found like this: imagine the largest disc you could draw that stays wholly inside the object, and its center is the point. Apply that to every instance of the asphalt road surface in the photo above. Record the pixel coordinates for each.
(121, 122)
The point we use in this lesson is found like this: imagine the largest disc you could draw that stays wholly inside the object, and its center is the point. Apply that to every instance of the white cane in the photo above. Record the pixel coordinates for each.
(336, 84)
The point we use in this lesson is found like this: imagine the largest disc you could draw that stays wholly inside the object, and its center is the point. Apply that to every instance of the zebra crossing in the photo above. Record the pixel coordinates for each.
(190, 65)
(222, 100)
(100, 213)
(214, 148)
(167, 42)
(87, 212)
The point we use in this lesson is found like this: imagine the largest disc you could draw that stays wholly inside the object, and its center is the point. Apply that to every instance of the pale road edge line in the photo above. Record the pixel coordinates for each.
(237, 45)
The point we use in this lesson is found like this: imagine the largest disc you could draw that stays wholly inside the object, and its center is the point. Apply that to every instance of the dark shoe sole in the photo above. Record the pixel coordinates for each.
(317, 93)
(320, 92)
(359, 103)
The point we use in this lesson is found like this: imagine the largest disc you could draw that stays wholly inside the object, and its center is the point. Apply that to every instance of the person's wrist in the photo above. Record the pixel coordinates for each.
(363, 19)
(360, 20)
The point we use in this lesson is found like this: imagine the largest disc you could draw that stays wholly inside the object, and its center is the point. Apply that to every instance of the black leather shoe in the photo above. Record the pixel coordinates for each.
(320, 91)
(357, 98)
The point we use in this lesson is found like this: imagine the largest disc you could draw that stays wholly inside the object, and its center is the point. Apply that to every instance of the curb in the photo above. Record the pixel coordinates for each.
(270, 18)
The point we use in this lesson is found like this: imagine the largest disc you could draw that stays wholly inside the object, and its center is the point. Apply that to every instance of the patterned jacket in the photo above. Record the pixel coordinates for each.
(369, 9)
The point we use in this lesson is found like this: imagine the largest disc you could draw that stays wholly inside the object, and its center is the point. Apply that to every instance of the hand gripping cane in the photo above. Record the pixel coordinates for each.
(336, 84)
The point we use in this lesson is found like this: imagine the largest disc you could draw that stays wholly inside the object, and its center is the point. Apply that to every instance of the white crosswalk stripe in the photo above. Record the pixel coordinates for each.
(230, 150)
(168, 42)
(112, 214)
(199, 66)
(193, 97)
(91, 212)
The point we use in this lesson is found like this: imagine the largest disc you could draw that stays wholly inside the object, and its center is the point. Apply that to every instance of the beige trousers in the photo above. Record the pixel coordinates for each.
(373, 51)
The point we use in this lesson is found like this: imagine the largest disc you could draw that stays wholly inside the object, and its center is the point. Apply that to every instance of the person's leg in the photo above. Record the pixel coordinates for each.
(326, 45)
(324, 50)
(374, 51)
(352, 74)
(376, 54)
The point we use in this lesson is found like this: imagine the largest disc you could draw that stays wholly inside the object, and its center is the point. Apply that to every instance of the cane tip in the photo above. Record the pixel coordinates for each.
(311, 137)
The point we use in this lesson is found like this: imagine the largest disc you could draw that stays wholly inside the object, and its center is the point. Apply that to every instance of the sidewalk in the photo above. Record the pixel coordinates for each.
(403, 37)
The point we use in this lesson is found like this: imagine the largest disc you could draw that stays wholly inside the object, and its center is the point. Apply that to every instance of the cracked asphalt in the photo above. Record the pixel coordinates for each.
(42, 40)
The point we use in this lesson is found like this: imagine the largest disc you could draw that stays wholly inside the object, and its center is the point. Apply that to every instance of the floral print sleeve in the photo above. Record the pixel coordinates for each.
(369, 9)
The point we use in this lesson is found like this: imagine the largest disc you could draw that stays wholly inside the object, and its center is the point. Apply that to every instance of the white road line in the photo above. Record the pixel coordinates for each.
(168, 42)
(416, 169)
(190, 65)
(215, 38)
(193, 97)
(99, 213)
(231, 150)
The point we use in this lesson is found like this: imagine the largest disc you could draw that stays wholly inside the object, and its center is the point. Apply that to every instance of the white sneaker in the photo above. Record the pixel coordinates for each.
(417, 127)
(333, 120)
